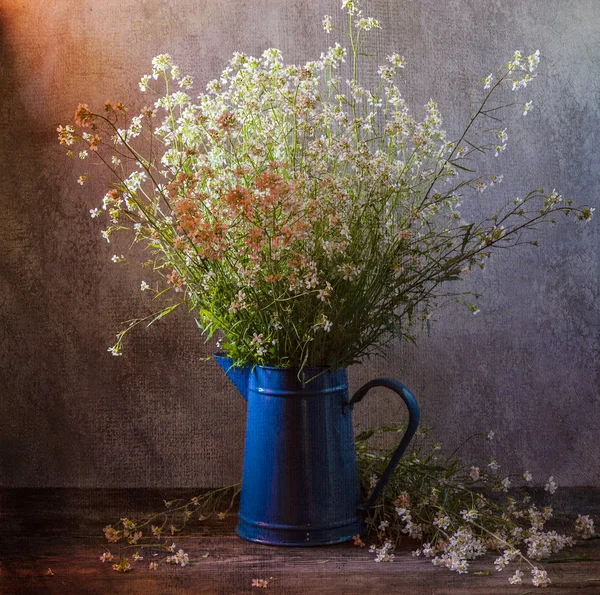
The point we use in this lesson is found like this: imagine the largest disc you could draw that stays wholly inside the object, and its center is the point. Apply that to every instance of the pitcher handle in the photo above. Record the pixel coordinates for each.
(413, 422)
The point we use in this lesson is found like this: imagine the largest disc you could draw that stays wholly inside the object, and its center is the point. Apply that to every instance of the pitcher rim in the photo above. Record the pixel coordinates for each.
(322, 369)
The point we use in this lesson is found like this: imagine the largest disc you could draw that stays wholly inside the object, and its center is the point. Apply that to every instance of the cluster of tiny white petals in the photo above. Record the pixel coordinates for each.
(585, 525)
(384, 553)
(180, 558)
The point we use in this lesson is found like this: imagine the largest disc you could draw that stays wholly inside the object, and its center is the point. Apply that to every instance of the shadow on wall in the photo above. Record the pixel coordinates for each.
(30, 404)
(70, 414)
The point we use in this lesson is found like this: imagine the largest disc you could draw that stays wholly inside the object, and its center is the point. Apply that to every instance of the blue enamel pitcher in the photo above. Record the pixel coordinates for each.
(300, 484)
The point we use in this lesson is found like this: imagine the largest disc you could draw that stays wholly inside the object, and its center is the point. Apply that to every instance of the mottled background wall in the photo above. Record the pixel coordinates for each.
(72, 415)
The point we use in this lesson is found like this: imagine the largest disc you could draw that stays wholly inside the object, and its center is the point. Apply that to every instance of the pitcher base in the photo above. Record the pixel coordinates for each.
(298, 536)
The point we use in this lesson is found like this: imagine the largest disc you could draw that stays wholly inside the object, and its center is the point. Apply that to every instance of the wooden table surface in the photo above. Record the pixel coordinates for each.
(62, 530)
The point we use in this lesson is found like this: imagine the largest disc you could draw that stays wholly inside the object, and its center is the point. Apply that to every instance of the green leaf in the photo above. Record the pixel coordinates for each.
(364, 435)
(454, 164)
(163, 313)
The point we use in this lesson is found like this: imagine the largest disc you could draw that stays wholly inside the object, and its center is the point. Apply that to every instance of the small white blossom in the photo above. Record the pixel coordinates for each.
(143, 84)
(368, 23)
(144, 286)
(397, 60)
(585, 526)
(186, 82)
(500, 563)
(516, 578)
(384, 552)
(551, 486)
(443, 522)
(160, 64)
(533, 60)
(180, 558)
(539, 578)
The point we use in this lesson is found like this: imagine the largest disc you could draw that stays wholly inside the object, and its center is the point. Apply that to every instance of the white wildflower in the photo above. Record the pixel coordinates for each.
(500, 563)
(397, 60)
(585, 526)
(469, 515)
(143, 84)
(384, 552)
(367, 23)
(186, 82)
(551, 486)
(160, 64)
(539, 578)
(516, 578)
(533, 60)
(180, 558)
(443, 522)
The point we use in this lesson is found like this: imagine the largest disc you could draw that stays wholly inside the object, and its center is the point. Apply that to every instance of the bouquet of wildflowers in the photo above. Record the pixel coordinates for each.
(305, 219)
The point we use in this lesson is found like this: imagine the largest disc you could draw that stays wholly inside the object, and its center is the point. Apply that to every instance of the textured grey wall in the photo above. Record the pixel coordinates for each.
(72, 415)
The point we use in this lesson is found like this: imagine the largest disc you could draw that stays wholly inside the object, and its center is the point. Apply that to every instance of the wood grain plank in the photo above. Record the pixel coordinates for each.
(61, 530)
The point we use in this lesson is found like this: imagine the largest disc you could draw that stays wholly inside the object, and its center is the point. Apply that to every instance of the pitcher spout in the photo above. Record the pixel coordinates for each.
(238, 375)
